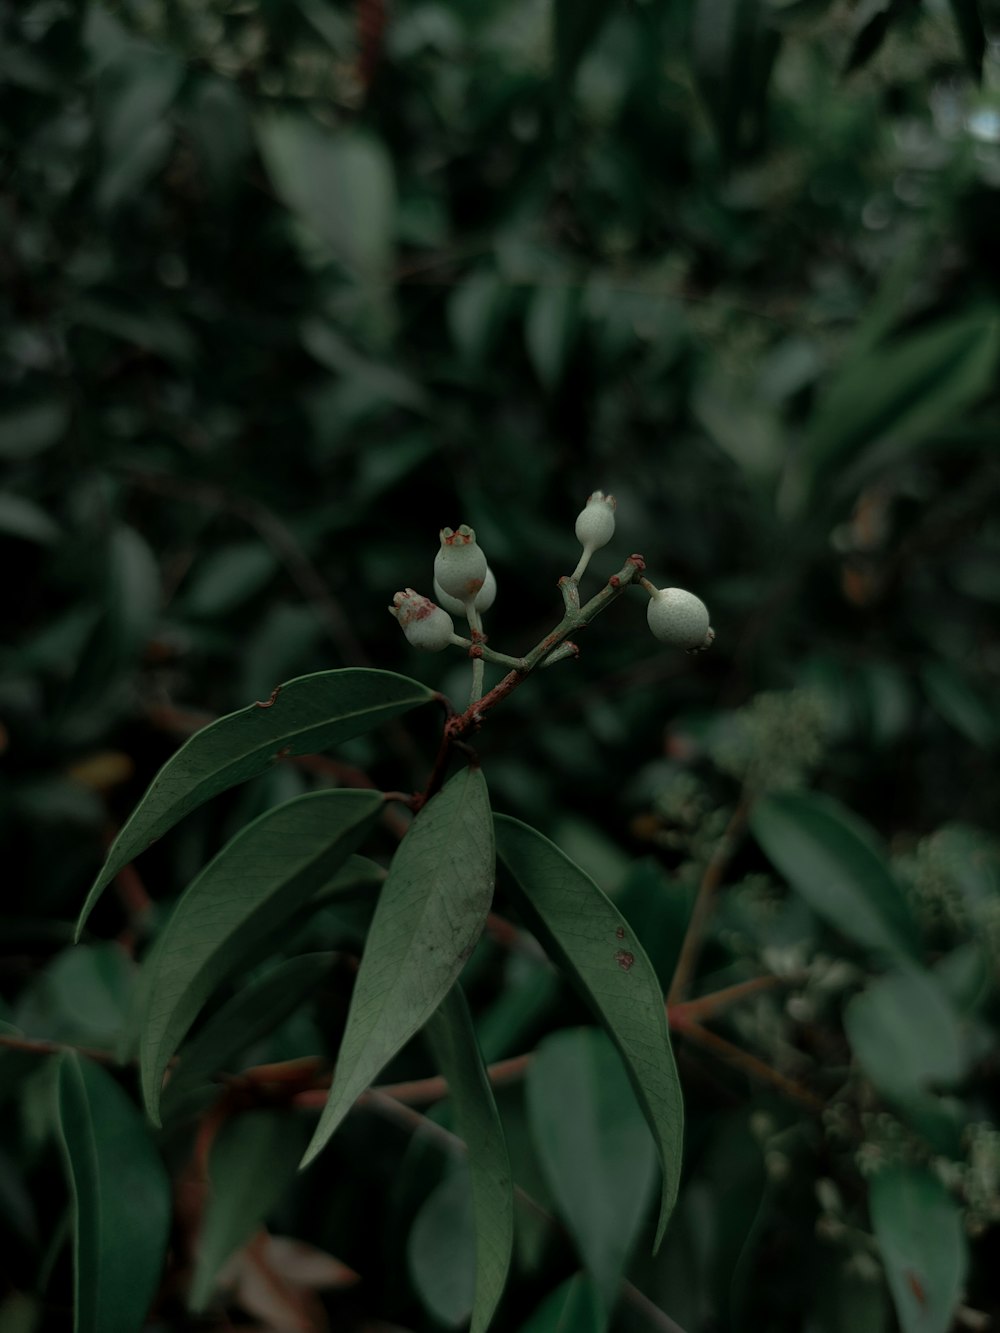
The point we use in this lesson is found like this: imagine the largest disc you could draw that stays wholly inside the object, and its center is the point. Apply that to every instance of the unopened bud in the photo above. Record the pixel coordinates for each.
(679, 618)
(460, 565)
(485, 597)
(595, 524)
(425, 625)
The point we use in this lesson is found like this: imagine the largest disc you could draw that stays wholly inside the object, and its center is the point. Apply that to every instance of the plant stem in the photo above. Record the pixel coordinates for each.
(574, 618)
(750, 1064)
(694, 936)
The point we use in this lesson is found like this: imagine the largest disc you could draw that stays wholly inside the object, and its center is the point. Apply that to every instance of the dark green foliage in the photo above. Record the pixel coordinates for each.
(288, 285)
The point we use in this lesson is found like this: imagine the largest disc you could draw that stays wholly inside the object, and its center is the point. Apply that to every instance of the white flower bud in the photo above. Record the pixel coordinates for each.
(679, 618)
(460, 565)
(425, 625)
(485, 597)
(595, 524)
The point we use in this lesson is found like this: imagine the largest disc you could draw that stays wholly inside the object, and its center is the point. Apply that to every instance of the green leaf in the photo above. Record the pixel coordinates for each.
(121, 1200)
(831, 859)
(918, 1226)
(969, 21)
(307, 714)
(571, 1308)
(903, 392)
(252, 1013)
(339, 182)
(550, 330)
(732, 54)
(430, 913)
(595, 1148)
(906, 1034)
(441, 1252)
(453, 1041)
(31, 428)
(252, 1163)
(959, 705)
(243, 895)
(587, 935)
(23, 518)
(576, 24)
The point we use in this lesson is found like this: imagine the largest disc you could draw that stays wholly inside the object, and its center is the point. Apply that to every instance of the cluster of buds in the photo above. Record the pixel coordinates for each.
(464, 586)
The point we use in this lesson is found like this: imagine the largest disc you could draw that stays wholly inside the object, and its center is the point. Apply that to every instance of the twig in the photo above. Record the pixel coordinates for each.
(705, 1006)
(40, 1046)
(694, 936)
(757, 1069)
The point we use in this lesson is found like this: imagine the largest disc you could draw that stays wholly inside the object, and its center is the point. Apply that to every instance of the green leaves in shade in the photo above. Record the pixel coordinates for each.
(901, 392)
(456, 1052)
(121, 1200)
(595, 1148)
(586, 934)
(251, 1014)
(430, 913)
(243, 895)
(571, 1308)
(441, 1250)
(252, 1162)
(906, 1034)
(307, 714)
(550, 330)
(831, 859)
(918, 1226)
(340, 183)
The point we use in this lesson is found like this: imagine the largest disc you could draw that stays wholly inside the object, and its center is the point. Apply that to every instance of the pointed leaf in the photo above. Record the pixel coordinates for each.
(121, 1200)
(251, 1164)
(830, 857)
(453, 1041)
(256, 882)
(251, 1014)
(307, 714)
(595, 1148)
(906, 1033)
(430, 913)
(584, 931)
(441, 1250)
(918, 1226)
(903, 391)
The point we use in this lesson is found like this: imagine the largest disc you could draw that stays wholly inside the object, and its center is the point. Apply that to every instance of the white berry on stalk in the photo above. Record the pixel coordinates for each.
(460, 565)
(485, 597)
(425, 625)
(595, 524)
(679, 618)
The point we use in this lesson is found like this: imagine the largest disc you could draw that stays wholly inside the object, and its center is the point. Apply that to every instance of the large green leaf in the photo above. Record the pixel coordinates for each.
(918, 1226)
(906, 1033)
(583, 930)
(831, 859)
(441, 1249)
(903, 391)
(252, 1163)
(252, 1013)
(307, 714)
(453, 1041)
(430, 913)
(121, 1200)
(340, 183)
(571, 1308)
(243, 895)
(595, 1148)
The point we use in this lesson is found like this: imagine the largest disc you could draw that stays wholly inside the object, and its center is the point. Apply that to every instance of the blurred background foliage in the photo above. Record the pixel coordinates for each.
(289, 284)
